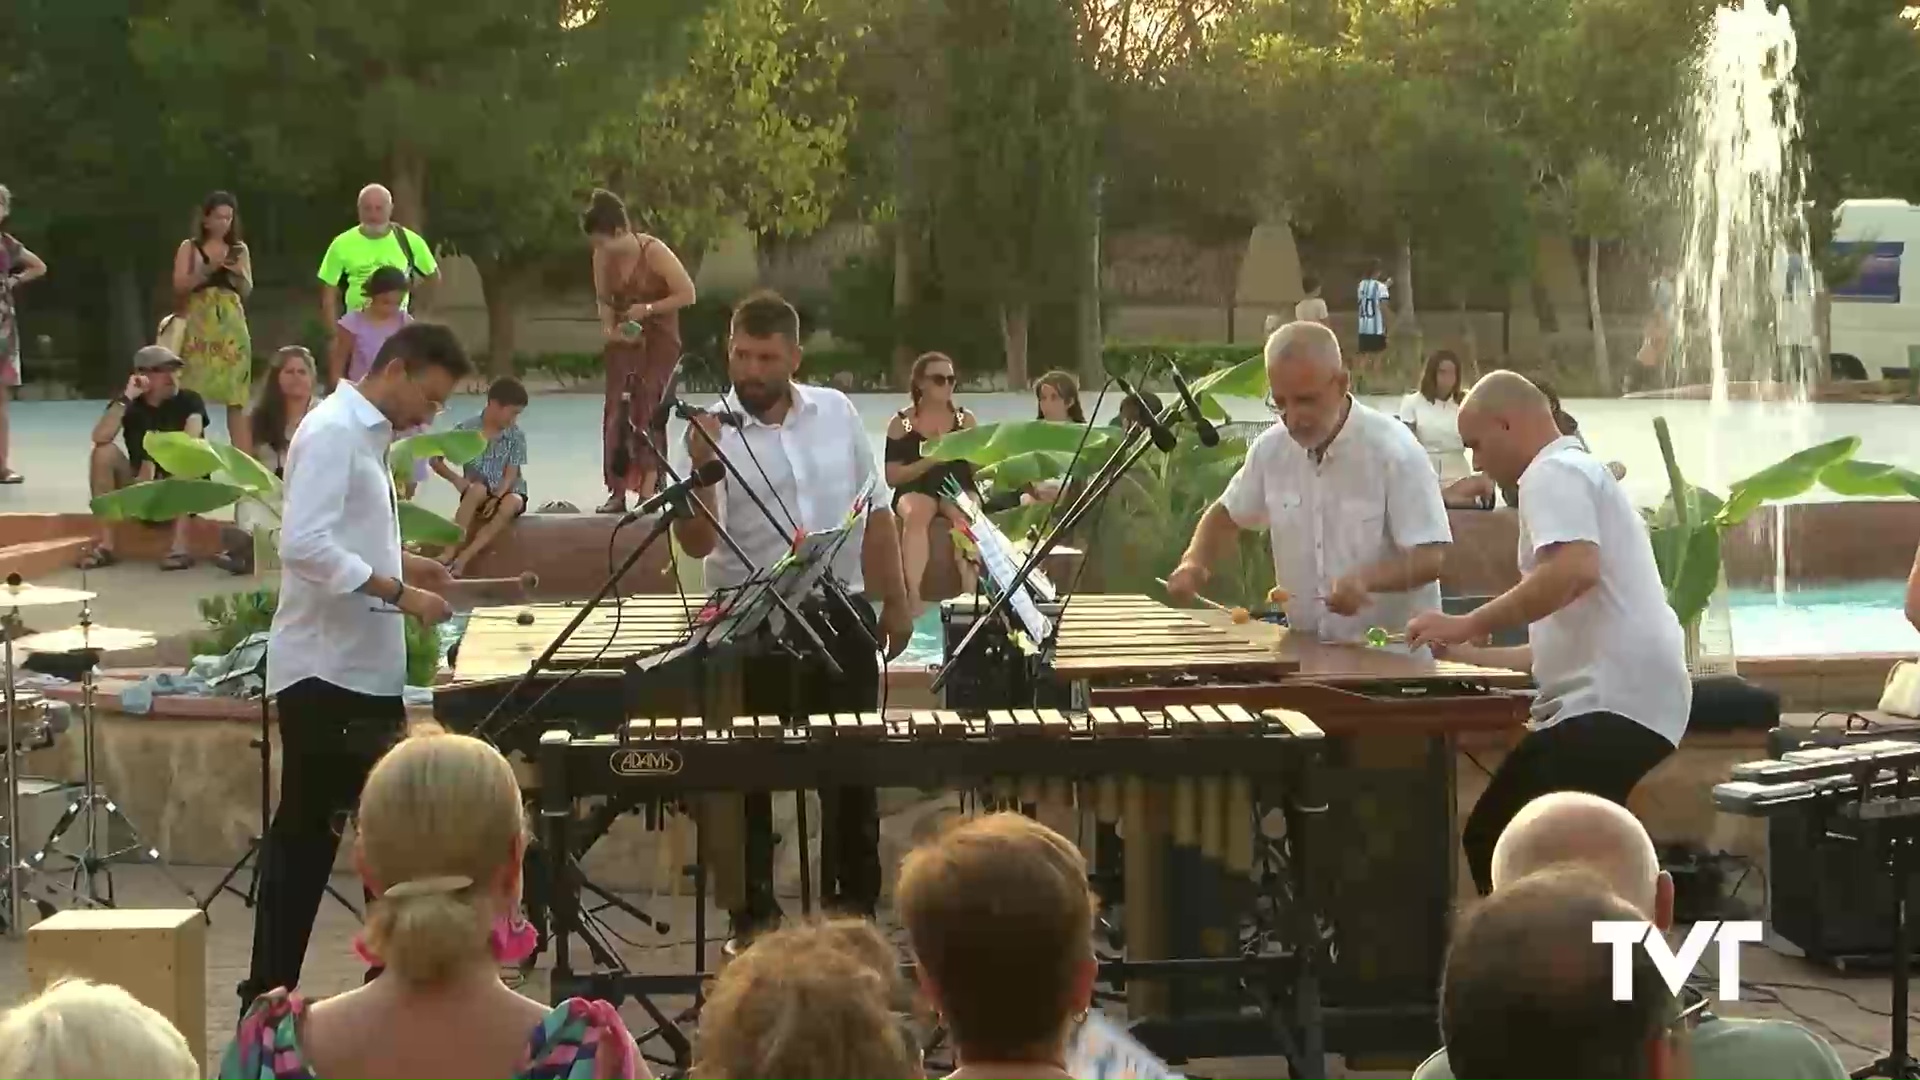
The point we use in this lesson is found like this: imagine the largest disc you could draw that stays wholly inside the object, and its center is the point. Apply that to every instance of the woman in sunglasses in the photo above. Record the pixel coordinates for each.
(919, 482)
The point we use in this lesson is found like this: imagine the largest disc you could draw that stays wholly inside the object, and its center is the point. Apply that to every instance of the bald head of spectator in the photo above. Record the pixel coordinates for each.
(1573, 828)
(1527, 992)
(1309, 382)
(1505, 422)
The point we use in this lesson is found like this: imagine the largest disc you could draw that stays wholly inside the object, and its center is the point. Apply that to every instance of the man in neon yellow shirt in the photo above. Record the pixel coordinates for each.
(376, 242)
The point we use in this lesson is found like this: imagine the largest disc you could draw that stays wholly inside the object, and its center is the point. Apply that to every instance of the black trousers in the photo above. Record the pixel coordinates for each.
(330, 738)
(850, 817)
(1601, 753)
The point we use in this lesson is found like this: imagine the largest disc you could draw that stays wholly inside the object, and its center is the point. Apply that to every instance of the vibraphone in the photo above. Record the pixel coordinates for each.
(1389, 882)
(1251, 762)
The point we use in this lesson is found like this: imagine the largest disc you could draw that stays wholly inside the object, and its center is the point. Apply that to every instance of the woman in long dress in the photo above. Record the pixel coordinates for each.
(17, 267)
(212, 276)
(639, 286)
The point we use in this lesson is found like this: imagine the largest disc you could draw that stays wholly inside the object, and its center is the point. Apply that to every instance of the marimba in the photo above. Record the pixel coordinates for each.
(1251, 763)
(1388, 881)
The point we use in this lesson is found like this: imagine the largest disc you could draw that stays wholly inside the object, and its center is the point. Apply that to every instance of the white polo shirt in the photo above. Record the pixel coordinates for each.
(339, 525)
(1370, 496)
(1618, 648)
(814, 464)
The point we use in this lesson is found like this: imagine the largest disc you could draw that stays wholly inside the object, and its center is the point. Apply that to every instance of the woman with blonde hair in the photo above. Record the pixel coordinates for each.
(1001, 920)
(816, 1000)
(78, 1029)
(440, 837)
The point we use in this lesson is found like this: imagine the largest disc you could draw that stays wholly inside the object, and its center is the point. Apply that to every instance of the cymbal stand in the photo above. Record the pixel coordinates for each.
(10, 622)
(91, 864)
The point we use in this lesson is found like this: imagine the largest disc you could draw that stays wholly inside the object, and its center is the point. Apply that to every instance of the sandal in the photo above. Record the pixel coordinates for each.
(8, 476)
(177, 560)
(97, 558)
(615, 505)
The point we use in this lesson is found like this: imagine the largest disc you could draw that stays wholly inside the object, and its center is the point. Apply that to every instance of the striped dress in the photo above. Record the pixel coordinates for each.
(578, 1040)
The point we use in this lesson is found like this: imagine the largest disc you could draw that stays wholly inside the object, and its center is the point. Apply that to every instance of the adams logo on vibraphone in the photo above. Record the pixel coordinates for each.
(646, 762)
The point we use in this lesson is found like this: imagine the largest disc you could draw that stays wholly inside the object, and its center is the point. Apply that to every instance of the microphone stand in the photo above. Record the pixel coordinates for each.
(1108, 476)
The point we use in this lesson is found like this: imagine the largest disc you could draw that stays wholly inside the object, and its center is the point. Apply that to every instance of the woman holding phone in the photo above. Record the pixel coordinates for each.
(212, 276)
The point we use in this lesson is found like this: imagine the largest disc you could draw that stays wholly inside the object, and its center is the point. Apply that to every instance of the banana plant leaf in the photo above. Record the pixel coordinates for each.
(1870, 480)
(1695, 551)
(1248, 378)
(237, 467)
(991, 444)
(421, 526)
(1784, 479)
(165, 500)
(458, 447)
(185, 456)
(1024, 469)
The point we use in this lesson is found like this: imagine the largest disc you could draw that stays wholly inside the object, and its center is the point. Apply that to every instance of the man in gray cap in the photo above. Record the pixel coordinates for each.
(152, 401)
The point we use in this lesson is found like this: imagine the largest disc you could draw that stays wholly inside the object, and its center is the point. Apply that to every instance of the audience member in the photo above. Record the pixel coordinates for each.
(493, 486)
(212, 278)
(1371, 299)
(1001, 921)
(376, 241)
(152, 401)
(1433, 412)
(818, 999)
(1528, 993)
(283, 399)
(80, 1030)
(919, 482)
(18, 266)
(358, 335)
(439, 839)
(1311, 307)
(1577, 830)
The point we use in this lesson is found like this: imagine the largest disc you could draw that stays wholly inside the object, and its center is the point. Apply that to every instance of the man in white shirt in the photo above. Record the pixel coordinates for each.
(1571, 829)
(1358, 530)
(805, 454)
(1372, 296)
(337, 658)
(1604, 647)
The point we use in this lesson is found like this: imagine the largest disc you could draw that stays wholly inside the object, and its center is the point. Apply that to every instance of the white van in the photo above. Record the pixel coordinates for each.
(1876, 315)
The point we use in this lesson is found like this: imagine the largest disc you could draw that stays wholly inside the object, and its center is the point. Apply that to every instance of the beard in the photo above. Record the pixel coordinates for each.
(759, 397)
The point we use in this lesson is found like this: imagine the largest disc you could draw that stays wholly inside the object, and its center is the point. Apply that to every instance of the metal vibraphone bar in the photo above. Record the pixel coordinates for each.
(1232, 765)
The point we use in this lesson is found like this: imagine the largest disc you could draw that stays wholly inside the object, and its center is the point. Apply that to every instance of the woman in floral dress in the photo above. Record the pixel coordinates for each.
(17, 267)
(212, 276)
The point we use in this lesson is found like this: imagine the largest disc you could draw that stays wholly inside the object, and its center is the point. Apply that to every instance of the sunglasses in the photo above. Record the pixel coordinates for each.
(943, 379)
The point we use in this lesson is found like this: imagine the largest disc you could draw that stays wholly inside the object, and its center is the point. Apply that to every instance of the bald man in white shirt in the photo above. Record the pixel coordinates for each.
(1358, 528)
(1603, 645)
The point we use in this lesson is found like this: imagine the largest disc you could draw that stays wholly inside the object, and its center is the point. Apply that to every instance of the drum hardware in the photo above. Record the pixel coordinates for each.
(255, 855)
(53, 651)
(15, 595)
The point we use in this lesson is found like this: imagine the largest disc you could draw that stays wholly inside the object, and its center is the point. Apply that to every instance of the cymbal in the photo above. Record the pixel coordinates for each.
(15, 596)
(76, 638)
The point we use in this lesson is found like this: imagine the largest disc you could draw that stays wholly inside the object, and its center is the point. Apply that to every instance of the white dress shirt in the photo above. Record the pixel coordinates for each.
(1618, 648)
(808, 470)
(339, 526)
(1372, 495)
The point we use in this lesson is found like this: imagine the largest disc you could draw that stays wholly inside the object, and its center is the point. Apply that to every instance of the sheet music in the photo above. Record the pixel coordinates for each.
(1002, 562)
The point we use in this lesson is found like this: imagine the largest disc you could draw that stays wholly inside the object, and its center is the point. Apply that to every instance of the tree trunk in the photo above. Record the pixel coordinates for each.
(1602, 366)
(1403, 291)
(1013, 336)
(902, 302)
(409, 187)
(1470, 363)
(502, 298)
(1092, 339)
(128, 324)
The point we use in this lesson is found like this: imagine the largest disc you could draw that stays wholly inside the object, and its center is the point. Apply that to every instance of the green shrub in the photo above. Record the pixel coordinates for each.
(230, 619)
(1149, 360)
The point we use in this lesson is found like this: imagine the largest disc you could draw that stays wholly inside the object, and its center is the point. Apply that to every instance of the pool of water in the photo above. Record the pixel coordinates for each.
(1859, 617)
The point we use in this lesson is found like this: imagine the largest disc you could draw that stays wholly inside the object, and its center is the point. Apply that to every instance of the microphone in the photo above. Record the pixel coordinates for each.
(1162, 437)
(1209, 435)
(674, 406)
(711, 473)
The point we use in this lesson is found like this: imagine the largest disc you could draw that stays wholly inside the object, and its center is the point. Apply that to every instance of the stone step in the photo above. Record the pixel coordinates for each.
(37, 558)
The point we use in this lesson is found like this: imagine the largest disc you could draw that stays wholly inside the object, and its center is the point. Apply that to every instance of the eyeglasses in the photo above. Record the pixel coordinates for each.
(943, 378)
